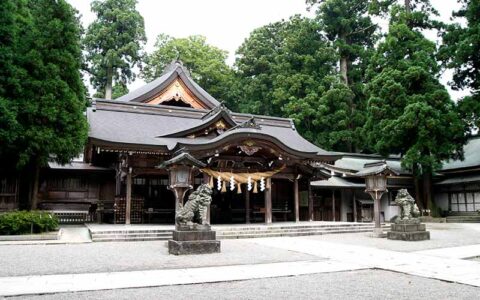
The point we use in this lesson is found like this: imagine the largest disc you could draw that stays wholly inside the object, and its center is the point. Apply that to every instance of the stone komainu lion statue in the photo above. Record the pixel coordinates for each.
(195, 210)
(408, 208)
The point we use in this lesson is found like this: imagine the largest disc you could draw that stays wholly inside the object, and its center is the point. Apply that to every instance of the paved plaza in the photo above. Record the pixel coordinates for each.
(340, 266)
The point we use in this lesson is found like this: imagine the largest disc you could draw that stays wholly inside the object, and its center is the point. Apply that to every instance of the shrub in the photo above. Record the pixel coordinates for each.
(25, 222)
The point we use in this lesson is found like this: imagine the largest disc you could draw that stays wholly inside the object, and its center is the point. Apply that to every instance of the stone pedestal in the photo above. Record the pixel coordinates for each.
(193, 239)
(410, 230)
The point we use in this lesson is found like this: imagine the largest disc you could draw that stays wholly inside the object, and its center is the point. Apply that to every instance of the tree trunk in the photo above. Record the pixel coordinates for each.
(418, 188)
(36, 177)
(408, 8)
(108, 85)
(427, 190)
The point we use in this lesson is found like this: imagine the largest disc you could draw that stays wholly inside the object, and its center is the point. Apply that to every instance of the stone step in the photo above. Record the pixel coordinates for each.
(131, 231)
(463, 219)
(290, 234)
(132, 234)
(236, 232)
(131, 239)
(290, 230)
(263, 227)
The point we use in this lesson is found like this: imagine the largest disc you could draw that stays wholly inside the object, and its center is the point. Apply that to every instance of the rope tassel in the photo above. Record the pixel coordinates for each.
(224, 187)
(239, 188)
(255, 189)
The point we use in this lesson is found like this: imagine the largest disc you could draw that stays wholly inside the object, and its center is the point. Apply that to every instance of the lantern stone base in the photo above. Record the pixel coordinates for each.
(193, 239)
(408, 231)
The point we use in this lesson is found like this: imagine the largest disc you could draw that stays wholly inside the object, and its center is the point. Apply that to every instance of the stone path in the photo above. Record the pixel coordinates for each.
(424, 265)
(454, 252)
(443, 264)
(46, 284)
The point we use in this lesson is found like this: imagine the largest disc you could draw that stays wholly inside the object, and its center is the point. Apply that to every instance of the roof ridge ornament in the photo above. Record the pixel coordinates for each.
(251, 123)
(176, 63)
(292, 124)
(217, 109)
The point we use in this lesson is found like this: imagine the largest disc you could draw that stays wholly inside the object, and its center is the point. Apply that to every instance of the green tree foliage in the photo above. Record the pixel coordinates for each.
(114, 43)
(461, 51)
(349, 27)
(42, 96)
(409, 111)
(42, 91)
(287, 69)
(205, 62)
(9, 32)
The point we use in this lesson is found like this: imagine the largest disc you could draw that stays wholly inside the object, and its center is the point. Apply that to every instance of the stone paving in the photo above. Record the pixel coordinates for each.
(443, 235)
(361, 284)
(91, 266)
(448, 269)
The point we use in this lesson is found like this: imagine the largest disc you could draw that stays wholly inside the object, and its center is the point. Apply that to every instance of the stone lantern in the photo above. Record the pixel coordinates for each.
(180, 169)
(375, 175)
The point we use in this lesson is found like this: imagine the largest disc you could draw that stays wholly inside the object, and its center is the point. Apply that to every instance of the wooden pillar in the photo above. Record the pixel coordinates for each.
(333, 205)
(354, 206)
(268, 201)
(206, 180)
(310, 202)
(376, 212)
(128, 198)
(296, 200)
(247, 206)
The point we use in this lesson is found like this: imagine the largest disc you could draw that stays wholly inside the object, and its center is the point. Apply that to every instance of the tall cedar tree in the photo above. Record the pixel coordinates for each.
(206, 63)
(114, 44)
(348, 25)
(288, 69)
(461, 51)
(44, 94)
(10, 30)
(409, 111)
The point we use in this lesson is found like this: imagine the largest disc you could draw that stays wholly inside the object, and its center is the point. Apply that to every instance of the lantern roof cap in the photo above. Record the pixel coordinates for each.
(183, 158)
(376, 168)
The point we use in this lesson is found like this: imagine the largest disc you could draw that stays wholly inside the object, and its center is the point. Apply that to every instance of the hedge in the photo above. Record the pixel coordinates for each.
(27, 222)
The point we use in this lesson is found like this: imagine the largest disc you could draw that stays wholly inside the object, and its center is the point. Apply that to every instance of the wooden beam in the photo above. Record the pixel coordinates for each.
(268, 201)
(128, 204)
(296, 198)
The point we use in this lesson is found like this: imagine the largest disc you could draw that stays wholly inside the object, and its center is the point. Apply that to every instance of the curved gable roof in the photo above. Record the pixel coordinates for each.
(210, 118)
(172, 72)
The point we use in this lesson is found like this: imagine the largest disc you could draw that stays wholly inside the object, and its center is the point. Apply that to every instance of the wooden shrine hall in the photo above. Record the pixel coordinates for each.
(148, 149)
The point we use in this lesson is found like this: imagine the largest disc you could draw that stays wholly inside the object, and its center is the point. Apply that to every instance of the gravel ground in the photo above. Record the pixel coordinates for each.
(367, 284)
(442, 235)
(16, 260)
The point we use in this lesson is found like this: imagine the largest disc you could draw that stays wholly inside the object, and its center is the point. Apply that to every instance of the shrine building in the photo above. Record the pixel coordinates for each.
(148, 149)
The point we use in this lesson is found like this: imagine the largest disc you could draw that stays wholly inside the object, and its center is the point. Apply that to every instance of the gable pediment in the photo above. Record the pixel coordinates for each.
(174, 87)
(178, 92)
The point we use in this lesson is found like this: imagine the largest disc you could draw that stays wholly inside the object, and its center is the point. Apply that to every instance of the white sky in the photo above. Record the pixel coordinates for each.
(225, 23)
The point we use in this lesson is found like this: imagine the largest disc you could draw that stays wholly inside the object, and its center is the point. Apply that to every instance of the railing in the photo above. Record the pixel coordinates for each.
(73, 216)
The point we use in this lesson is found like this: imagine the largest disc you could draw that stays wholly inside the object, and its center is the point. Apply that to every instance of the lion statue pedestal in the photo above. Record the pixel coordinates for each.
(407, 227)
(193, 234)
